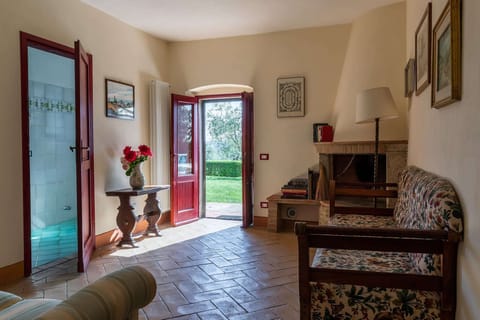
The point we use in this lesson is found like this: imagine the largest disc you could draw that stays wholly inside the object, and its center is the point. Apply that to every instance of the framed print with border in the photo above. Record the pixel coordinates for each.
(291, 97)
(119, 100)
(423, 51)
(447, 55)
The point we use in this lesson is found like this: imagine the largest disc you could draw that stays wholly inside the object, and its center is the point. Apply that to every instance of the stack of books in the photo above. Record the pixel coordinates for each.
(296, 188)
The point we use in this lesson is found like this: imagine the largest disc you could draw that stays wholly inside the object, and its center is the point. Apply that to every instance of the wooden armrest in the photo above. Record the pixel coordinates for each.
(364, 211)
(375, 232)
(379, 239)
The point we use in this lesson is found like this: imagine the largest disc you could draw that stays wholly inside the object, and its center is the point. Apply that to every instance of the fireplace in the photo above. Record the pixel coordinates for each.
(353, 161)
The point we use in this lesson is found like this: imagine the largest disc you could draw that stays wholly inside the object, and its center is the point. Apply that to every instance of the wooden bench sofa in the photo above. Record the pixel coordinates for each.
(385, 264)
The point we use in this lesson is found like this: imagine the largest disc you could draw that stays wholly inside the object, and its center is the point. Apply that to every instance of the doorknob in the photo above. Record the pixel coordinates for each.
(81, 148)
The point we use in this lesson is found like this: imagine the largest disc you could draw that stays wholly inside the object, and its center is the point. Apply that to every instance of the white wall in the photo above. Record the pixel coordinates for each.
(119, 52)
(447, 141)
(375, 58)
(336, 62)
(257, 61)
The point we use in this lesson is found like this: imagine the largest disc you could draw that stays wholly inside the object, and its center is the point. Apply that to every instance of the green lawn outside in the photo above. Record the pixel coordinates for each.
(224, 189)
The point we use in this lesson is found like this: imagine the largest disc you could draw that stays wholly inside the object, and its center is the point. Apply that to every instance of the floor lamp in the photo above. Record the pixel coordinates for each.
(374, 105)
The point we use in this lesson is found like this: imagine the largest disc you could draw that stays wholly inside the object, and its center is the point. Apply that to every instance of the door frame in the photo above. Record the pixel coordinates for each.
(247, 153)
(30, 40)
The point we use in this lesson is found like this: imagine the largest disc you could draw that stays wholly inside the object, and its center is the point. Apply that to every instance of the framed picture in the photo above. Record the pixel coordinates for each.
(291, 97)
(447, 65)
(410, 77)
(120, 100)
(423, 50)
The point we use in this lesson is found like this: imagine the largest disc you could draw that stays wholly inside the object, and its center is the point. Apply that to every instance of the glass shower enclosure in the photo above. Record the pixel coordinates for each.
(51, 84)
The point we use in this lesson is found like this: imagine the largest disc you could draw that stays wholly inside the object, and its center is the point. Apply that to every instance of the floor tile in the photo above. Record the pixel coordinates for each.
(210, 269)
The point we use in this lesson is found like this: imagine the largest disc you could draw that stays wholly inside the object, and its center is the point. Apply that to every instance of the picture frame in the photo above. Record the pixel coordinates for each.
(410, 78)
(447, 55)
(423, 52)
(291, 97)
(119, 100)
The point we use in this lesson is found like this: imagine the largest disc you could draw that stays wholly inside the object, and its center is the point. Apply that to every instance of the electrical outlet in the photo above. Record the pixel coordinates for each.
(264, 156)
(264, 204)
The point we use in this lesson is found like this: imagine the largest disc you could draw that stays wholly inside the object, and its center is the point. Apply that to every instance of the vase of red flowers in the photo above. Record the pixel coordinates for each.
(131, 163)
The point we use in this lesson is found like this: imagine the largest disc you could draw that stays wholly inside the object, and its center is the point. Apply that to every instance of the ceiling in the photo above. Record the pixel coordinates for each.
(183, 20)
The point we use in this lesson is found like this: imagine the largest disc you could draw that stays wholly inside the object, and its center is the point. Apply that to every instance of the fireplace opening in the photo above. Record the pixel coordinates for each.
(358, 167)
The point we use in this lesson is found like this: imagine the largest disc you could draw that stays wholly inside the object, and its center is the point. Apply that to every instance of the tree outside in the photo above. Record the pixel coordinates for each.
(223, 141)
(224, 130)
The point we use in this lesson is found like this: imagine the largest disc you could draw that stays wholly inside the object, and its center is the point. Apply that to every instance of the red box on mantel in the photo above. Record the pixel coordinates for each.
(326, 133)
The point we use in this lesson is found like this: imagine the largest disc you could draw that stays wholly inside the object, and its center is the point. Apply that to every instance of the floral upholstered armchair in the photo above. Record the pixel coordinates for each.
(384, 264)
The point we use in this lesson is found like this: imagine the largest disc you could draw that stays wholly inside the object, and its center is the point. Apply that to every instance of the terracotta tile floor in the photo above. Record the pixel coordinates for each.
(210, 269)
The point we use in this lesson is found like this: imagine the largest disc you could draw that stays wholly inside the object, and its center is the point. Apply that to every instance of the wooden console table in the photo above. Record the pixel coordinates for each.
(126, 218)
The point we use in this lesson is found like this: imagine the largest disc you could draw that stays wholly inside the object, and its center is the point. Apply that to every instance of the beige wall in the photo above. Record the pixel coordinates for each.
(119, 52)
(447, 141)
(317, 54)
(375, 58)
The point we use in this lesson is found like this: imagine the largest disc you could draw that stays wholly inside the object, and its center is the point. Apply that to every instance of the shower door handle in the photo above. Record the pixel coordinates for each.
(81, 148)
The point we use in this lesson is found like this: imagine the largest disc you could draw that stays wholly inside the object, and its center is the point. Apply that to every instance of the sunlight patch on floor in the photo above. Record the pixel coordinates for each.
(172, 235)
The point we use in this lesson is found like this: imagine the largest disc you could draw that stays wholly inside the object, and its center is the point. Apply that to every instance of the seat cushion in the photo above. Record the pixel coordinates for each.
(350, 302)
(28, 309)
(360, 220)
(398, 262)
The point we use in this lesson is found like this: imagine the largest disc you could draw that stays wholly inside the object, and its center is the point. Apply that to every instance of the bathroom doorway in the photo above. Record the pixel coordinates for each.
(58, 180)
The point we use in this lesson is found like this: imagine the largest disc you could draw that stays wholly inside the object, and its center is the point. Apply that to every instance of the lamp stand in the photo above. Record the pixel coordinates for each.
(375, 161)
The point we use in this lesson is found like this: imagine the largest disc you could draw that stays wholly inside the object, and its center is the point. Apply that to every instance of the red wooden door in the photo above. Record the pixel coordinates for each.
(247, 159)
(184, 160)
(84, 155)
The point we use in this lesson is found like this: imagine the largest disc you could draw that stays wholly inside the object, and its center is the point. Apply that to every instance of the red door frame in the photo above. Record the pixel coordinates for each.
(179, 198)
(247, 150)
(29, 40)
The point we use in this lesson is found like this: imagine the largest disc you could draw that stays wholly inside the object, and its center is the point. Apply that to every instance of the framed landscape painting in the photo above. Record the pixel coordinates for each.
(120, 100)
(291, 97)
(423, 50)
(447, 72)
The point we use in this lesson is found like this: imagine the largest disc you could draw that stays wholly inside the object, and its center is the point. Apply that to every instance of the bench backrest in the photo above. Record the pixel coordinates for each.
(427, 202)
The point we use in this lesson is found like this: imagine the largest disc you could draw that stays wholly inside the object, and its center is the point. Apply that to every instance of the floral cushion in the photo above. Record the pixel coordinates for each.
(359, 220)
(426, 201)
(429, 202)
(348, 302)
(398, 262)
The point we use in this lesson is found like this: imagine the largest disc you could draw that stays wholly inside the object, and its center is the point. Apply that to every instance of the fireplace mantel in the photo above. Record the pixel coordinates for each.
(361, 147)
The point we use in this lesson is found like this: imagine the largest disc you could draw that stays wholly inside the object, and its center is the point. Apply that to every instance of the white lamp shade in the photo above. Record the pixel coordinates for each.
(376, 103)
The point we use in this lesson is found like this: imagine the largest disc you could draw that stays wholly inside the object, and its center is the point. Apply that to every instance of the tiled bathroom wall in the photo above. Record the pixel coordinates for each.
(52, 163)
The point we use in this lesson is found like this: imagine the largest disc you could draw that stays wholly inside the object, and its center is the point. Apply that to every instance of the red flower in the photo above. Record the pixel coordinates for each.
(145, 150)
(131, 156)
(127, 150)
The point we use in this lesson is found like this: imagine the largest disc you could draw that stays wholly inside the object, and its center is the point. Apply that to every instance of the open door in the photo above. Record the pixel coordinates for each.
(184, 160)
(247, 159)
(84, 156)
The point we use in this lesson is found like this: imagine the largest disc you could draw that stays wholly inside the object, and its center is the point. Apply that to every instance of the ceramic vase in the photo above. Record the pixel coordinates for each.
(137, 180)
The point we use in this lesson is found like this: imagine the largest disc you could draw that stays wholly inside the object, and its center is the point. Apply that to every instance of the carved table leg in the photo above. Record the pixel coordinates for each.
(152, 213)
(126, 220)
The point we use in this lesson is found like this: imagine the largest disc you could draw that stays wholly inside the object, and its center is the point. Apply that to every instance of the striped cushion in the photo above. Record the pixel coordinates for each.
(28, 309)
(7, 299)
